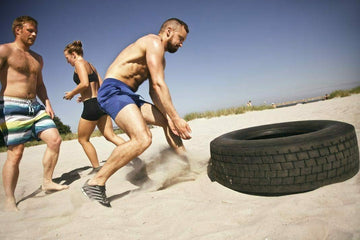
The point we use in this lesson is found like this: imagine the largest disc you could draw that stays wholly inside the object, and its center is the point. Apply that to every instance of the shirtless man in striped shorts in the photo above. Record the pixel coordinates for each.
(22, 118)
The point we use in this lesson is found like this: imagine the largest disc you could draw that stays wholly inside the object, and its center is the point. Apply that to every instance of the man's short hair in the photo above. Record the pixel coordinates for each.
(174, 22)
(19, 22)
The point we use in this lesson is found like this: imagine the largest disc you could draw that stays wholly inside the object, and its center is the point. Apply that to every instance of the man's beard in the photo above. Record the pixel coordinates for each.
(171, 48)
(28, 41)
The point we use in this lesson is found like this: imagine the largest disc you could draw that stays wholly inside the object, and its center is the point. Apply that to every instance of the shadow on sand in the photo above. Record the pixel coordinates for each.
(70, 177)
(138, 176)
(65, 179)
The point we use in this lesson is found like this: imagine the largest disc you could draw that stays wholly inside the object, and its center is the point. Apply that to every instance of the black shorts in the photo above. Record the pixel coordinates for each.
(92, 110)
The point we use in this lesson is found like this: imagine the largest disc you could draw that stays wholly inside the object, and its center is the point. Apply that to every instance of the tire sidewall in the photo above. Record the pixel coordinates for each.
(320, 131)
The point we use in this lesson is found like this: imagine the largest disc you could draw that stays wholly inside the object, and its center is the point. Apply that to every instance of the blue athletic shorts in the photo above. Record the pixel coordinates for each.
(114, 95)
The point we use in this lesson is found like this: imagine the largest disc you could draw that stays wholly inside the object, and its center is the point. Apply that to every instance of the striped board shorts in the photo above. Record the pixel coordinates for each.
(21, 120)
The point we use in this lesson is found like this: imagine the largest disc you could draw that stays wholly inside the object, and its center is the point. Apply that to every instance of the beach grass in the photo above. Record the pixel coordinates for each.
(344, 93)
(206, 114)
(225, 112)
(243, 109)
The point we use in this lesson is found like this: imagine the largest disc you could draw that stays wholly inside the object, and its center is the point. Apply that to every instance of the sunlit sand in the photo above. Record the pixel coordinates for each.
(160, 196)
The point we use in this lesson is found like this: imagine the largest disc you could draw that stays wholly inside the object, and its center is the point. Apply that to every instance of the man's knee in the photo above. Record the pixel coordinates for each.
(51, 137)
(15, 154)
(144, 140)
(54, 142)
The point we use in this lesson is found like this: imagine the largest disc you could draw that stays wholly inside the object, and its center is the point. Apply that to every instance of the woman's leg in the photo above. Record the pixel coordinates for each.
(106, 128)
(85, 130)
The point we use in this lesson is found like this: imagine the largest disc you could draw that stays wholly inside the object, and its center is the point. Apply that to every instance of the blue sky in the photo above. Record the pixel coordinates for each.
(237, 50)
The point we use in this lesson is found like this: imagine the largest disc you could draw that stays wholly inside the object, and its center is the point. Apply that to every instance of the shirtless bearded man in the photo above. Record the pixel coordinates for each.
(141, 60)
(21, 115)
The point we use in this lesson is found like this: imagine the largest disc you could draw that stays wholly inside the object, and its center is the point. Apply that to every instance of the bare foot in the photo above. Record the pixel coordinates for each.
(10, 206)
(53, 187)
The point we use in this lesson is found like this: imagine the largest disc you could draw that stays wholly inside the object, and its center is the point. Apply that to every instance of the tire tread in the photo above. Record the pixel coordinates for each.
(289, 169)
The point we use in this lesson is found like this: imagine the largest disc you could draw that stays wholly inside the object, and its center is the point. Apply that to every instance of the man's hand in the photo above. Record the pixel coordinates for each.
(49, 111)
(180, 128)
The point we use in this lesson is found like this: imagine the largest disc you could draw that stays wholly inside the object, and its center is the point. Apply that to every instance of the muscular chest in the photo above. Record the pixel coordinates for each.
(24, 63)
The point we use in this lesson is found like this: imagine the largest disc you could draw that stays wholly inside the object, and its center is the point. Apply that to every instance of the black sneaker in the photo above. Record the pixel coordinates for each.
(96, 192)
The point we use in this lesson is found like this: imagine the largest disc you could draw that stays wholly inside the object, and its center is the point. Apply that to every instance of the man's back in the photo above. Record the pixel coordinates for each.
(130, 66)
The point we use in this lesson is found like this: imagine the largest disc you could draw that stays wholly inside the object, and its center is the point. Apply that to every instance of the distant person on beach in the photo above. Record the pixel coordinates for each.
(22, 117)
(141, 60)
(88, 82)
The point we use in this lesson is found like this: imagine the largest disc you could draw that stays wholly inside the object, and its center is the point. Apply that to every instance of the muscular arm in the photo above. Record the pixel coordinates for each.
(159, 91)
(3, 55)
(41, 91)
(4, 52)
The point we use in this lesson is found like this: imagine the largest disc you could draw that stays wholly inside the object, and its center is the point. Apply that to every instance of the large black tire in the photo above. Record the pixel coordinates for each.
(285, 158)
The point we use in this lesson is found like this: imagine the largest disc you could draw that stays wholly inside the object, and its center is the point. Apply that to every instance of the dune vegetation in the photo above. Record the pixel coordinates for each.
(206, 114)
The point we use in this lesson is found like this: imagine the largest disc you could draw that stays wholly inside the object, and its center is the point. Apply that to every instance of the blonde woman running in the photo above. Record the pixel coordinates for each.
(88, 82)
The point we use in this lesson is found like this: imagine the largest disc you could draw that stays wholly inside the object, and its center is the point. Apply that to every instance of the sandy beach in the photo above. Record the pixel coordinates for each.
(158, 196)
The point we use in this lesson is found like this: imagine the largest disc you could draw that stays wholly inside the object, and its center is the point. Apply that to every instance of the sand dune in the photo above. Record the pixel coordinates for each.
(159, 196)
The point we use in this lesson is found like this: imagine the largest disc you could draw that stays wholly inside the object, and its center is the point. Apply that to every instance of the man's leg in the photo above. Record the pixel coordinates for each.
(153, 116)
(53, 140)
(10, 175)
(131, 121)
(180, 170)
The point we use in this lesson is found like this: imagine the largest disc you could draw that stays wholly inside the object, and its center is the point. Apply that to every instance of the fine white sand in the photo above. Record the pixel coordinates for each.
(187, 205)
